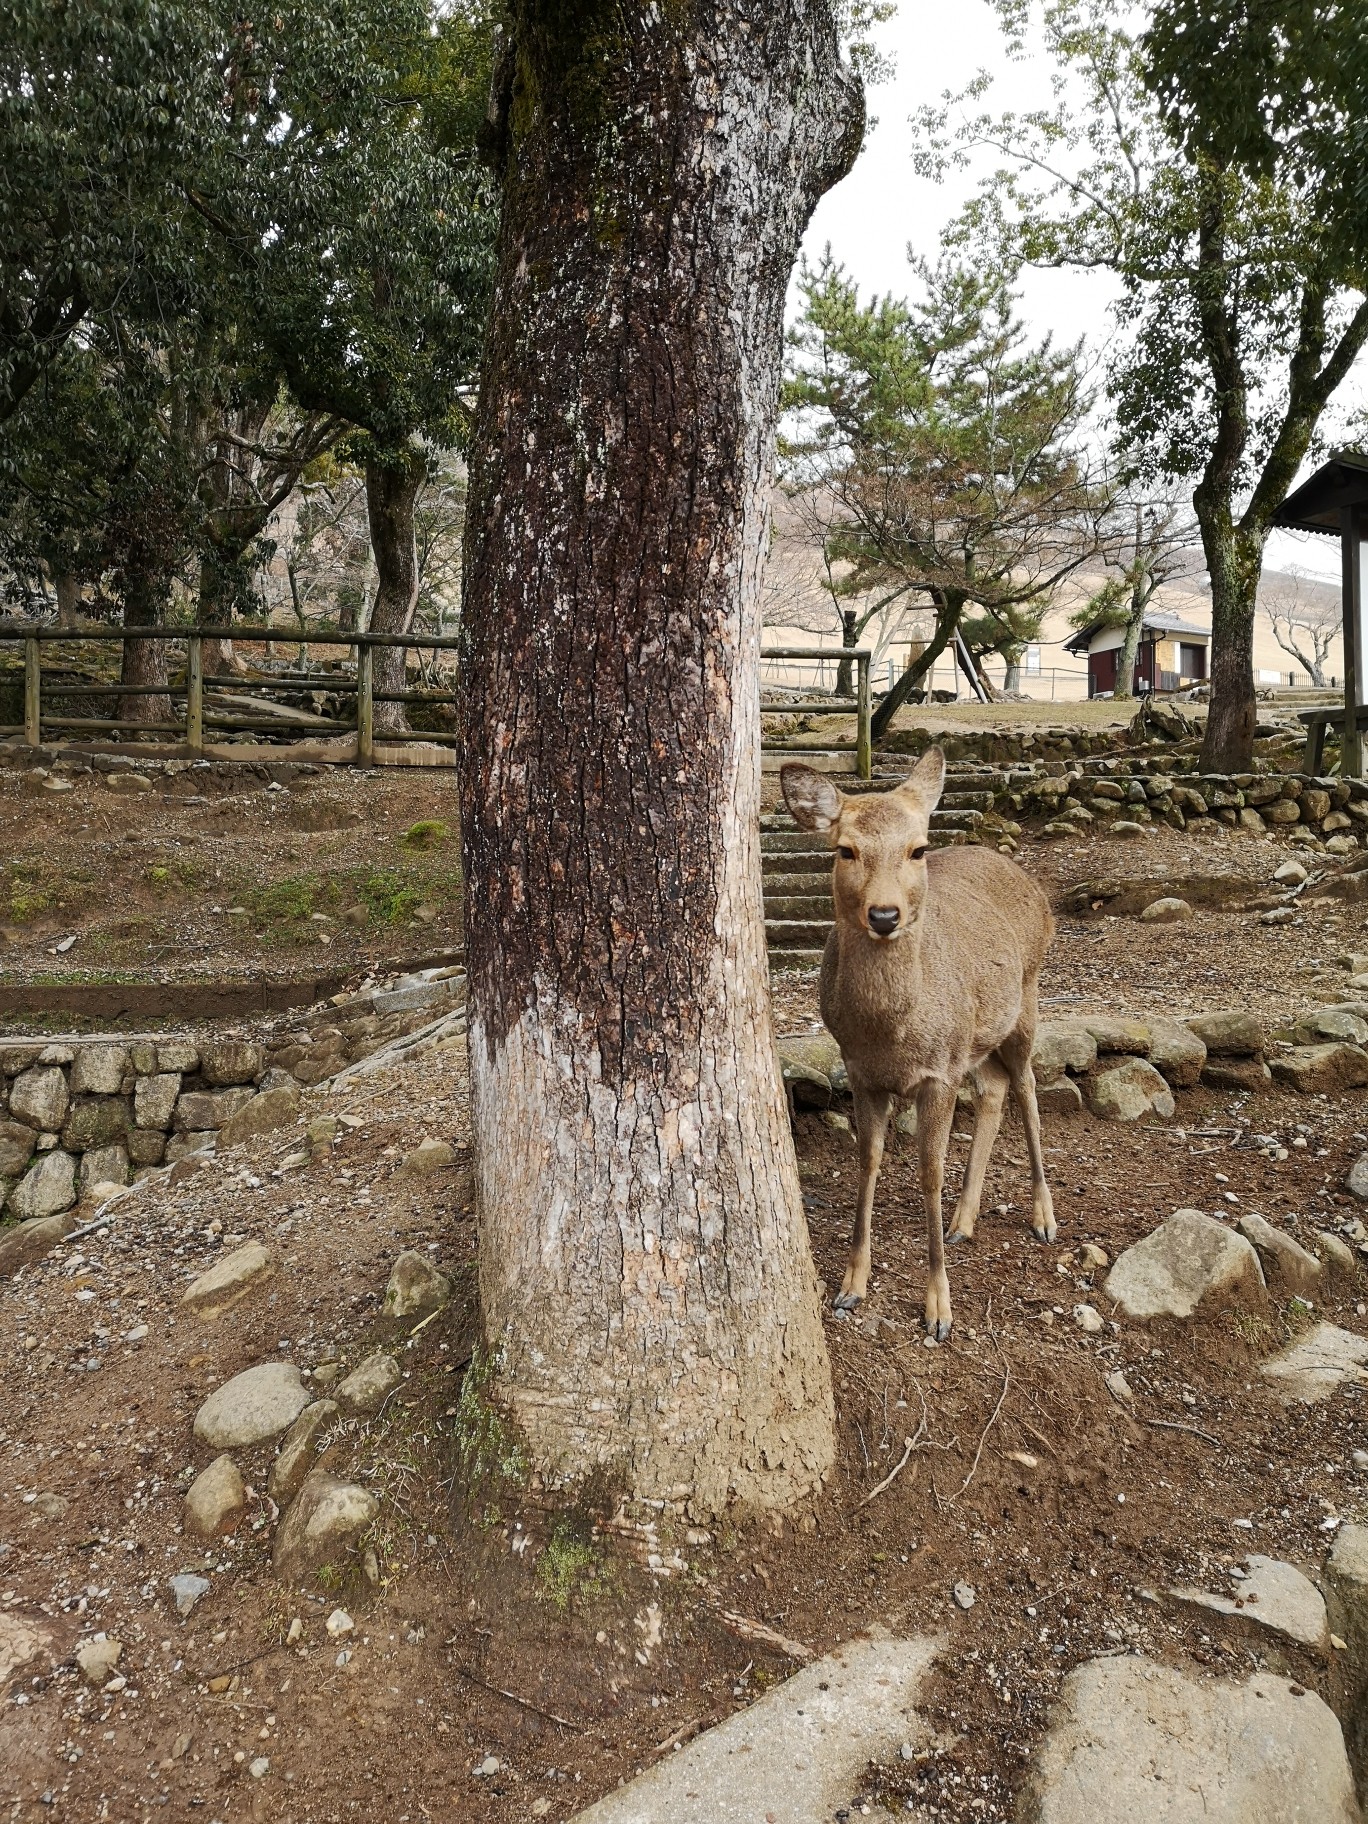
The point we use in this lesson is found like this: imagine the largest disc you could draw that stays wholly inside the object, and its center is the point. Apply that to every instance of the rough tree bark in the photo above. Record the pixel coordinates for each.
(949, 606)
(650, 1306)
(1234, 561)
(394, 479)
(144, 661)
(68, 591)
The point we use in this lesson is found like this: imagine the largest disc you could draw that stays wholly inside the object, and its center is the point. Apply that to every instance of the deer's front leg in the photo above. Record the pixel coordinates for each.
(935, 1113)
(872, 1109)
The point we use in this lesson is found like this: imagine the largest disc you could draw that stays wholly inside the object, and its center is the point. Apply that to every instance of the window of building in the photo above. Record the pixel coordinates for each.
(1033, 661)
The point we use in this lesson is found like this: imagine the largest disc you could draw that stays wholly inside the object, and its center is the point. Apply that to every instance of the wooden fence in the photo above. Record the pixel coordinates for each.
(204, 708)
(829, 706)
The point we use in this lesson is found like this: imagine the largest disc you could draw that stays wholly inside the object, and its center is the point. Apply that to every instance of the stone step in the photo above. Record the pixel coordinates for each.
(791, 841)
(796, 933)
(783, 960)
(809, 881)
(798, 906)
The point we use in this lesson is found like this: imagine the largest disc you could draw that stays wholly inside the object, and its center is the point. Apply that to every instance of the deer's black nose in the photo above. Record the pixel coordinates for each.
(883, 920)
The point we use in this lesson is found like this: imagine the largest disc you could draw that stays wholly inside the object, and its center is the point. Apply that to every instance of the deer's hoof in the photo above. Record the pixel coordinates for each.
(955, 1235)
(1045, 1230)
(939, 1330)
(846, 1302)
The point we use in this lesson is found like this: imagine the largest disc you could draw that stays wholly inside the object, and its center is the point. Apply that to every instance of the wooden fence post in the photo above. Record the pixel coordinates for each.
(194, 694)
(864, 751)
(365, 708)
(33, 686)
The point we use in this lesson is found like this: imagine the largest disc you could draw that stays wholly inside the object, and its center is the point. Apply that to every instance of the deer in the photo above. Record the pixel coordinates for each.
(930, 976)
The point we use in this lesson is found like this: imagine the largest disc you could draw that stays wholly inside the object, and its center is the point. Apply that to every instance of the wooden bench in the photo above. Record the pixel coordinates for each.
(1316, 721)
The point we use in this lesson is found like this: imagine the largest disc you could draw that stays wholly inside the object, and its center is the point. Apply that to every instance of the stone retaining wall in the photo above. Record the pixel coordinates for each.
(79, 1112)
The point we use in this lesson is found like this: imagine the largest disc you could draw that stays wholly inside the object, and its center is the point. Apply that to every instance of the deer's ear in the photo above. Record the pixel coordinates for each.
(926, 781)
(813, 799)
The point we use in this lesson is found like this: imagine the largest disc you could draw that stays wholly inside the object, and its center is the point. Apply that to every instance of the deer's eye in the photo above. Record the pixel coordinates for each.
(917, 854)
(846, 854)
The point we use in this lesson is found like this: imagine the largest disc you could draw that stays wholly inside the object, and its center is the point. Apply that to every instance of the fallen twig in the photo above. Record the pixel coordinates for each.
(684, 1732)
(892, 1475)
(524, 1703)
(398, 1050)
(761, 1636)
(1173, 1425)
(978, 1454)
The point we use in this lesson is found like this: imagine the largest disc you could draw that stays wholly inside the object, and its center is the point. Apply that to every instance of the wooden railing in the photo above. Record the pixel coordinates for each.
(827, 706)
(198, 692)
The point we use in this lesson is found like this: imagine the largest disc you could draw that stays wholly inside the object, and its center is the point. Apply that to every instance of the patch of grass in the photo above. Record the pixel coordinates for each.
(571, 1566)
(389, 896)
(36, 885)
(183, 874)
(429, 833)
(489, 1454)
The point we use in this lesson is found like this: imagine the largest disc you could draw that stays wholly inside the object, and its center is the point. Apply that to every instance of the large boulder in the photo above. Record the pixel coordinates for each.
(268, 1110)
(1176, 1052)
(29, 1241)
(1318, 1362)
(99, 1070)
(1322, 1070)
(1061, 1046)
(1283, 1259)
(257, 1404)
(94, 1121)
(215, 1499)
(1346, 1589)
(203, 1111)
(1129, 1091)
(39, 1099)
(16, 1147)
(323, 1527)
(1116, 1032)
(1187, 1261)
(48, 1187)
(1232, 1034)
(1244, 1075)
(154, 1099)
(416, 1287)
(225, 1062)
(228, 1281)
(1271, 1595)
(103, 1165)
(299, 1449)
(1132, 1742)
(369, 1384)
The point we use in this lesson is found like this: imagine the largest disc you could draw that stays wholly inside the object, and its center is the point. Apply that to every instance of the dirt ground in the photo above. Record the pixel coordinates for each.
(544, 1647)
(224, 877)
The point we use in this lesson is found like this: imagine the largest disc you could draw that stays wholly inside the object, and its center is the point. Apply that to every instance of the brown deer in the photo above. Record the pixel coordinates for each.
(930, 975)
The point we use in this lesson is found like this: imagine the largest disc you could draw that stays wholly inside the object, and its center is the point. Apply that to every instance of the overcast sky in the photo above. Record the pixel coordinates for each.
(883, 207)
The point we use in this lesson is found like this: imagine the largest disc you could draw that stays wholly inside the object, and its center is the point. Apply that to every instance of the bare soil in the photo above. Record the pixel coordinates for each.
(542, 1643)
(222, 877)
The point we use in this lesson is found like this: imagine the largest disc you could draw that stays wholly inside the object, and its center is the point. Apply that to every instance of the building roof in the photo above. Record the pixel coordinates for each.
(1315, 505)
(1153, 623)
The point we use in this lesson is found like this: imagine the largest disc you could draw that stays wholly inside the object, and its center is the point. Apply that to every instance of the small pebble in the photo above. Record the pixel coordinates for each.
(339, 1623)
(965, 1595)
(260, 1767)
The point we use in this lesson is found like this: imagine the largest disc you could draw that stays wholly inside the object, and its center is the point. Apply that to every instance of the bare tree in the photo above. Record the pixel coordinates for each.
(1151, 537)
(1304, 623)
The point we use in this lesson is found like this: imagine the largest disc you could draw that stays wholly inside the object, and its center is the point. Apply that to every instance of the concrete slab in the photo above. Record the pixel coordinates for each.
(1275, 1595)
(796, 1756)
(1318, 1363)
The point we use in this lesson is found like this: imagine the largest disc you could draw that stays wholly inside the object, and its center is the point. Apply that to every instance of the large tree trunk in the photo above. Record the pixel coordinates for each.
(650, 1308)
(1234, 561)
(144, 661)
(1130, 651)
(394, 479)
(949, 609)
(215, 609)
(850, 638)
(68, 590)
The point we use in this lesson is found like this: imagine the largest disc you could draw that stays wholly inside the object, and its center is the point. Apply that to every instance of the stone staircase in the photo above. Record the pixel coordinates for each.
(797, 866)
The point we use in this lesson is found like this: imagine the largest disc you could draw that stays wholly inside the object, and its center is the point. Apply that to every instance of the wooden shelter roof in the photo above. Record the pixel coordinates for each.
(1315, 505)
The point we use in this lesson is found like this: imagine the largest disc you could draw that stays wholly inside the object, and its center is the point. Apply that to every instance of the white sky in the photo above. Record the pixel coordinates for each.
(883, 206)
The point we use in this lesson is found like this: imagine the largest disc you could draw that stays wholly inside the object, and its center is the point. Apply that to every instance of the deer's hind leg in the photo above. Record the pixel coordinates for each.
(993, 1082)
(1015, 1053)
(872, 1109)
